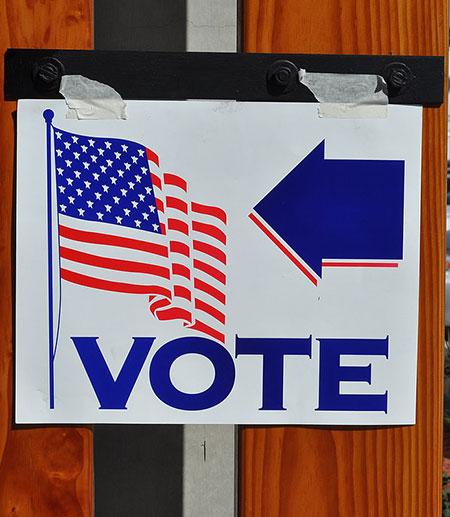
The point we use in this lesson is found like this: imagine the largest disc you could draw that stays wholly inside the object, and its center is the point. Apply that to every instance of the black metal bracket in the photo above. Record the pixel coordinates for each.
(36, 74)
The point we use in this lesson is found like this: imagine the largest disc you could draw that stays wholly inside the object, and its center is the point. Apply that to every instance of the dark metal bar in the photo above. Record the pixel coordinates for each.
(35, 74)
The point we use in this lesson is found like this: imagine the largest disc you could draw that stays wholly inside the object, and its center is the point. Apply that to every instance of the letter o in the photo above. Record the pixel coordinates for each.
(224, 373)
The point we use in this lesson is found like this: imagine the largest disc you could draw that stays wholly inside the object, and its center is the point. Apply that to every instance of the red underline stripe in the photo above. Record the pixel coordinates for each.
(359, 264)
(112, 240)
(107, 285)
(283, 248)
(115, 264)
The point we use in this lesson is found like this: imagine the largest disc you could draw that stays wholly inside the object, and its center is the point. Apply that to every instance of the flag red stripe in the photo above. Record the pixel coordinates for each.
(107, 285)
(177, 204)
(176, 181)
(210, 270)
(112, 240)
(174, 313)
(209, 309)
(210, 250)
(210, 230)
(162, 227)
(156, 180)
(115, 264)
(157, 304)
(214, 211)
(182, 292)
(283, 248)
(181, 270)
(159, 204)
(152, 156)
(206, 329)
(179, 247)
(209, 289)
(178, 226)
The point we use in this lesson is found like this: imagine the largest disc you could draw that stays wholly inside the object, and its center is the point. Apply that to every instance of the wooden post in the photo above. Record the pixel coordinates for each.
(43, 471)
(312, 471)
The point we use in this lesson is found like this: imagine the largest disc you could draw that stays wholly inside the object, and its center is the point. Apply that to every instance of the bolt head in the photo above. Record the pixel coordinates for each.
(47, 74)
(281, 77)
(398, 78)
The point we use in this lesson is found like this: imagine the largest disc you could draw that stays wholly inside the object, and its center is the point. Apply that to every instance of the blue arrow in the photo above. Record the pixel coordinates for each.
(338, 209)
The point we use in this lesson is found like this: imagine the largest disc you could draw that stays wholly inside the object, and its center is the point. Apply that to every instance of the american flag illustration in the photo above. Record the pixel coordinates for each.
(126, 226)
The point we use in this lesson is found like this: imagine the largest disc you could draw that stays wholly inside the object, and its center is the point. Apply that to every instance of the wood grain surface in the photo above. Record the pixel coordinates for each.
(43, 471)
(307, 471)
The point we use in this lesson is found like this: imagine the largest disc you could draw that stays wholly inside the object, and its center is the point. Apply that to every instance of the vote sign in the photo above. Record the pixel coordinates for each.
(217, 262)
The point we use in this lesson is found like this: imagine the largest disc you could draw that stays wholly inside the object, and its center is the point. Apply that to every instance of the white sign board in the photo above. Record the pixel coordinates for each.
(217, 262)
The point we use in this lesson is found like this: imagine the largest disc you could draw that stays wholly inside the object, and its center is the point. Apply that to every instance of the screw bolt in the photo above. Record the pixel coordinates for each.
(398, 77)
(47, 74)
(281, 77)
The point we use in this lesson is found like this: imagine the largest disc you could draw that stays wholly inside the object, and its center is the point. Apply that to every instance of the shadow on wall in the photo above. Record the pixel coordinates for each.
(140, 25)
(139, 469)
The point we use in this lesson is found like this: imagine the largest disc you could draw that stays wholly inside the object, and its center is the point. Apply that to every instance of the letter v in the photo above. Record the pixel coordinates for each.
(112, 394)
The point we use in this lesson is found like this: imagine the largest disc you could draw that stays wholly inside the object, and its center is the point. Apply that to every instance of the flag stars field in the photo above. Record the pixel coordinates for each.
(105, 162)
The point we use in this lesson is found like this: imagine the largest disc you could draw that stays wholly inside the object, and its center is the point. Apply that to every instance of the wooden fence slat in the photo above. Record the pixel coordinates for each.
(335, 472)
(43, 471)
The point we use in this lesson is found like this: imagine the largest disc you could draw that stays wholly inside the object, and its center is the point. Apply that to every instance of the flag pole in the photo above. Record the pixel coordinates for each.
(48, 116)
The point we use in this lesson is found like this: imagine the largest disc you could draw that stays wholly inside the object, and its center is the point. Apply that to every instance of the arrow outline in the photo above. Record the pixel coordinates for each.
(300, 263)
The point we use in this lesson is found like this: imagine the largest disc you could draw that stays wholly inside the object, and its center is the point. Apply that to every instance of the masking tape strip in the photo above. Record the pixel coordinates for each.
(347, 95)
(88, 99)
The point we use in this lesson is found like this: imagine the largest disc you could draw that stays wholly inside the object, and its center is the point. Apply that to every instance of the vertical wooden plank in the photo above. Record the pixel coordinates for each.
(362, 472)
(43, 471)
